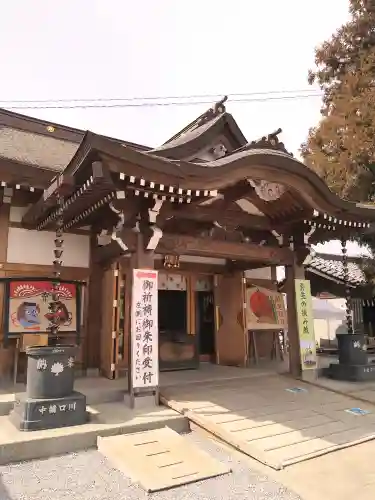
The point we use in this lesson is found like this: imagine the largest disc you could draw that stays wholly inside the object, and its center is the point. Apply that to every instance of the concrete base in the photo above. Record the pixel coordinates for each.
(351, 373)
(310, 375)
(142, 401)
(40, 414)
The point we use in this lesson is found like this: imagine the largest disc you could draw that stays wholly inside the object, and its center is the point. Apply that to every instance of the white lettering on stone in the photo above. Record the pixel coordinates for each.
(57, 368)
(41, 364)
(52, 409)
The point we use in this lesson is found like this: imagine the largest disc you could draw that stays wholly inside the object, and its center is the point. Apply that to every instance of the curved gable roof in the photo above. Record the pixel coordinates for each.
(200, 133)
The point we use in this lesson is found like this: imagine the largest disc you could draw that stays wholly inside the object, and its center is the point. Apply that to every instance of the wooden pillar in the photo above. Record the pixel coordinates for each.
(293, 272)
(142, 259)
(6, 354)
(95, 307)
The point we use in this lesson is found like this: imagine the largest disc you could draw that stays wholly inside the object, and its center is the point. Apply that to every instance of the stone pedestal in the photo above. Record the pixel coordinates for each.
(353, 362)
(31, 414)
(352, 349)
(352, 373)
(49, 401)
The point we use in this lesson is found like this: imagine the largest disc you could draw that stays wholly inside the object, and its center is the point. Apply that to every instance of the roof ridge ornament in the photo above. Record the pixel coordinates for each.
(218, 108)
(271, 141)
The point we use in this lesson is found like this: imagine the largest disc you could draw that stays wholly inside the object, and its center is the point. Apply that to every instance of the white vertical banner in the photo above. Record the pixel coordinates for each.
(144, 329)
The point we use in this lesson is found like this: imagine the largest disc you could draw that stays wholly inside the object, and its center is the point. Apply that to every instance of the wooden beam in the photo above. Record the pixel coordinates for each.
(206, 247)
(225, 217)
(113, 251)
(240, 190)
(203, 247)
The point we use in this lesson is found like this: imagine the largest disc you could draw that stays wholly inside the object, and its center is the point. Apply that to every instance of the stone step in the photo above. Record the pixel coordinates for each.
(109, 419)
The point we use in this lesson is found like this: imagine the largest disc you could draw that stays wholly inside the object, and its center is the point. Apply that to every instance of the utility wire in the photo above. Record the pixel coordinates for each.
(150, 104)
(159, 98)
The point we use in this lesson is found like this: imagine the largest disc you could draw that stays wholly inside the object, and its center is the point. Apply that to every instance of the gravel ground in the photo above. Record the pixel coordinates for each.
(88, 476)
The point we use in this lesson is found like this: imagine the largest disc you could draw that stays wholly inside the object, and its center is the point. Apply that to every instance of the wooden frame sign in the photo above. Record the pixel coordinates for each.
(27, 306)
(144, 330)
(265, 309)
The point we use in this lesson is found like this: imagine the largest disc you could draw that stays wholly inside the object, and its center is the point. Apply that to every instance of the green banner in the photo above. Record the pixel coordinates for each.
(305, 324)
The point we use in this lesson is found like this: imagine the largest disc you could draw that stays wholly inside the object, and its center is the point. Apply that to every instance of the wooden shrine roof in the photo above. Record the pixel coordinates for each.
(208, 165)
(280, 188)
(202, 132)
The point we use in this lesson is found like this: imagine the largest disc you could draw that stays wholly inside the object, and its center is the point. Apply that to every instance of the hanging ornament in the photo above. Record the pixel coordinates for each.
(349, 320)
(54, 306)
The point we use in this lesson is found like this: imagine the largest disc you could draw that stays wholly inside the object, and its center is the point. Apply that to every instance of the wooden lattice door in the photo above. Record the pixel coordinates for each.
(110, 322)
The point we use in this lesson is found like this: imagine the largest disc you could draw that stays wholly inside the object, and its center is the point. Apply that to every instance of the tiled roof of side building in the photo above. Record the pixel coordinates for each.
(332, 266)
(41, 143)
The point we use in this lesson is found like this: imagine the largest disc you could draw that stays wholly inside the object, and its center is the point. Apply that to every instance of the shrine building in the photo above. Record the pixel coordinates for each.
(214, 213)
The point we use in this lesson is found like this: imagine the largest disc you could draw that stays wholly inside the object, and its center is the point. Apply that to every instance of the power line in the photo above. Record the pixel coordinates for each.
(159, 98)
(154, 104)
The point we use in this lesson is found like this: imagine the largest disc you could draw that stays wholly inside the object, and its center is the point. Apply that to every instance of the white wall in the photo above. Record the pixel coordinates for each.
(16, 213)
(263, 273)
(36, 247)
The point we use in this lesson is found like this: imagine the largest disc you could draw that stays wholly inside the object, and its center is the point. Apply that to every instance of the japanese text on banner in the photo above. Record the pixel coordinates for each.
(144, 321)
(305, 324)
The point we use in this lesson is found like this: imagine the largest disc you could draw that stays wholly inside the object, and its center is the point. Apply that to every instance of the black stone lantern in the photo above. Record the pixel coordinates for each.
(50, 400)
(353, 362)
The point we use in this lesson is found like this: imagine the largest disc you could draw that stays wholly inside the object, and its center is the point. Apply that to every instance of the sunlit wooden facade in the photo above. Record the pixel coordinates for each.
(207, 199)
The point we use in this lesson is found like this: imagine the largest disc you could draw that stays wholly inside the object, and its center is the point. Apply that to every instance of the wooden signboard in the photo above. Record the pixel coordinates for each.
(144, 330)
(265, 309)
(27, 312)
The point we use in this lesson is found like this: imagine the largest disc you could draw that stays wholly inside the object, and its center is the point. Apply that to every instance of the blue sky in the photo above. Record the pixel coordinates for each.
(122, 49)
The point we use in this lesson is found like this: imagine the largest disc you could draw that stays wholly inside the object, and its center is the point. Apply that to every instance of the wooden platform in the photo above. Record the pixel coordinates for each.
(159, 459)
(263, 419)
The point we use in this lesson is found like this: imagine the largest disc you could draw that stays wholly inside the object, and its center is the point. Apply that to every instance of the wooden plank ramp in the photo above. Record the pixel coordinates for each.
(268, 422)
(159, 459)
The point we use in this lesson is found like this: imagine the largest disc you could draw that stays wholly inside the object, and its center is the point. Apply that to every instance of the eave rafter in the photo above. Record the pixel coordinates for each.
(47, 203)
(96, 191)
(178, 244)
(320, 225)
(148, 188)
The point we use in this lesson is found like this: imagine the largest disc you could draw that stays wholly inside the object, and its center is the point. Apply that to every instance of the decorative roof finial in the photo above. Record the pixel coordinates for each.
(219, 107)
(215, 110)
(271, 141)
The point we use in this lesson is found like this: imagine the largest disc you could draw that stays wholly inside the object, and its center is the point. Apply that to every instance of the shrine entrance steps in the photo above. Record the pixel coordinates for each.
(274, 419)
(108, 419)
